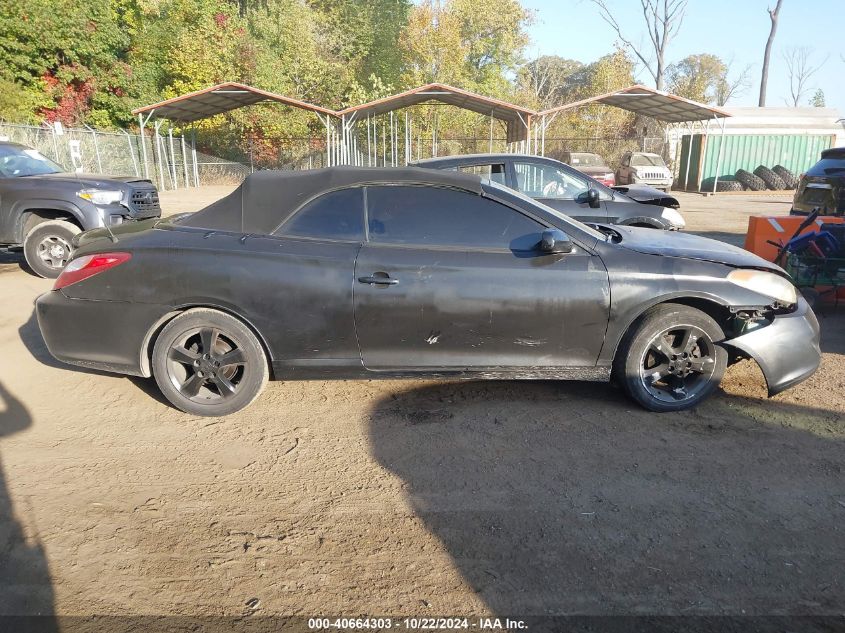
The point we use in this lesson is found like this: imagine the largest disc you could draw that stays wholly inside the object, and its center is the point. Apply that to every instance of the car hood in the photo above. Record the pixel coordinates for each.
(689, 246)
(594, 169)
(90, 180)
(647, 195)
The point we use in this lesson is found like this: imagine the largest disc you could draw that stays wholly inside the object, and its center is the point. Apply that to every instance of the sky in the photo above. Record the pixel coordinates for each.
(732, 29)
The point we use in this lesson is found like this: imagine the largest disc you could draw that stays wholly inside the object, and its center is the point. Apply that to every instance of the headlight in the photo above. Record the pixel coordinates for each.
(673, 217)
(100, 196)
(767, 284)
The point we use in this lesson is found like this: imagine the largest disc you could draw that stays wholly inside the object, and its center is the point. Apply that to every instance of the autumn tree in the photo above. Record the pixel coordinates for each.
(705, 78)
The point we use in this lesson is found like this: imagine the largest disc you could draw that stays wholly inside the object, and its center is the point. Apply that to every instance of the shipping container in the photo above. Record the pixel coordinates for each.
(720, 155)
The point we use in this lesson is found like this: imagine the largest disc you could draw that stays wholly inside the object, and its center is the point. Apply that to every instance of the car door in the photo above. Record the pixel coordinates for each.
(307, 298)
(559, 188)
(453, 280)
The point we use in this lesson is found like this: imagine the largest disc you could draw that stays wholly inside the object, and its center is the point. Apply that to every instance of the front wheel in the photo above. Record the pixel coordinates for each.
(670, 359)
(47, 247)
(209, 363)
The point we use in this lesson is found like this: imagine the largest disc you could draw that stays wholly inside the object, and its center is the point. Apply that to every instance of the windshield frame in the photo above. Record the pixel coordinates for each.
(13, 150)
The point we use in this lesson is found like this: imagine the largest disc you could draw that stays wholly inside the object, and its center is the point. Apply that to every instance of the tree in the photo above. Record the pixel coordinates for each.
(728, 88)
(818, 99)
(466, 42)
(800, 69)
(663, 21)
(697, 77)
(705, 78)
(544, 80)
(764, 77)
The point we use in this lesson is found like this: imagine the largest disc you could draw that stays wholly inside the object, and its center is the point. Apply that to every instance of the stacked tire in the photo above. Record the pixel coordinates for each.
(789, 178)
(749, 180)
(772, 180)
(729, 185)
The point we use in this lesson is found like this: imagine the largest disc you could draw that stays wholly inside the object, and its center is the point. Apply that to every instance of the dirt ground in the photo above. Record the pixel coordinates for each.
(427, 498)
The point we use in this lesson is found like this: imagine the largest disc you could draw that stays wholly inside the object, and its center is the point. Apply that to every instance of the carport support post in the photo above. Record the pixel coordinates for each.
(158, 155)
(369, 144)
(185, 161)
(141, 123)
(490, 146)
(689, 158)
(194, 156)
(721, 152)
(174, 178)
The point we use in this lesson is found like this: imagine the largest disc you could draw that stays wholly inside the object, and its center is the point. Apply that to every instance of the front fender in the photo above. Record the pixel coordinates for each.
(86, 218)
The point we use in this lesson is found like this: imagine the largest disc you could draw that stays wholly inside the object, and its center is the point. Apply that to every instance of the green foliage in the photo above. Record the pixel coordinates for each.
(93, 61)
(698, 77)
(817, 101)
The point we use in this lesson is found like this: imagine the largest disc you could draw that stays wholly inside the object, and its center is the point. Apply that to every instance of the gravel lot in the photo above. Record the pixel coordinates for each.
(428, 498)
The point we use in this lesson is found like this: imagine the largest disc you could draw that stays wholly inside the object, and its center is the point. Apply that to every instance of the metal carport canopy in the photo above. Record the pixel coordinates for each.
(649, 102)
(518, 119)
(218, 99)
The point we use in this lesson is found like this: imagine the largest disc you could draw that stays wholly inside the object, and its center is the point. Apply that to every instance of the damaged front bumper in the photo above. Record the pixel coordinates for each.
(787, 350)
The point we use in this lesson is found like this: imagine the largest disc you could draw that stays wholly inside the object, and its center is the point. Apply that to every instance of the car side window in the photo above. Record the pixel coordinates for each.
(337, 215)
(494, 172)
(432, 216)
(547, 181)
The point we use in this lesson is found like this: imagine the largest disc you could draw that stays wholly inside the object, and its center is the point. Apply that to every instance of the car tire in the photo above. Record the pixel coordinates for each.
(749, 180)
(789, 178)
(47, 247)
(190, 363)
(772, 180)
(728, 185)
(671, 358)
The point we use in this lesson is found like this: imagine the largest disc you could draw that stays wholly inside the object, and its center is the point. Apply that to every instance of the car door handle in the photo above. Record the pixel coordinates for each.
(381, 279)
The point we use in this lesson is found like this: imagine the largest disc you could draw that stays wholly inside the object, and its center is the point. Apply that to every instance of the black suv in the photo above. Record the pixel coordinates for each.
(42, 206)
(823, 186)
(567, 190)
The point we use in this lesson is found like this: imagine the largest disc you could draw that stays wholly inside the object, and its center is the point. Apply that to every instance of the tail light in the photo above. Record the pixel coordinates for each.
(88, 266)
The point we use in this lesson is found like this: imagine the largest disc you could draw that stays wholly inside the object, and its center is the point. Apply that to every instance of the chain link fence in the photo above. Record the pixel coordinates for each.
(171, 162)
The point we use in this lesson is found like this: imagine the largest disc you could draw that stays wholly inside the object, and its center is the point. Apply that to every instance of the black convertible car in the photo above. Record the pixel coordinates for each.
(362, 273)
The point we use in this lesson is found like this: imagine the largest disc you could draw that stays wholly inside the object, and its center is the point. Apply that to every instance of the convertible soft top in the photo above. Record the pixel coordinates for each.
(267, 198)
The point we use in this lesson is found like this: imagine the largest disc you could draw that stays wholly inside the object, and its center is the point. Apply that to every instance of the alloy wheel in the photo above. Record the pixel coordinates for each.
(678, 364)
(206, 365)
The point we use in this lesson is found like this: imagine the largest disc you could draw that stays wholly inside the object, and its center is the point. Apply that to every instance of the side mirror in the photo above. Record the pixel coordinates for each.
(555, 241)
(591, 197)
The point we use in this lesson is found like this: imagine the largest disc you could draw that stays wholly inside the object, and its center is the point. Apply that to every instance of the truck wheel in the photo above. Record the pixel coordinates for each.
(47, 247)
(670, 359)
(749, 180)
(772, 180)
(789, 179)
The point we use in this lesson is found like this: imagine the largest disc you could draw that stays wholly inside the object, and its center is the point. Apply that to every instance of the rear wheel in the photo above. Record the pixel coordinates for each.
(670, 359)
(47, 247)
(209, 363)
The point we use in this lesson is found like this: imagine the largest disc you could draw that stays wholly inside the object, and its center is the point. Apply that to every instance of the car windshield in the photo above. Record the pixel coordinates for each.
(647, 160)
(585, 160)
(532, 202)
(18, 161)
